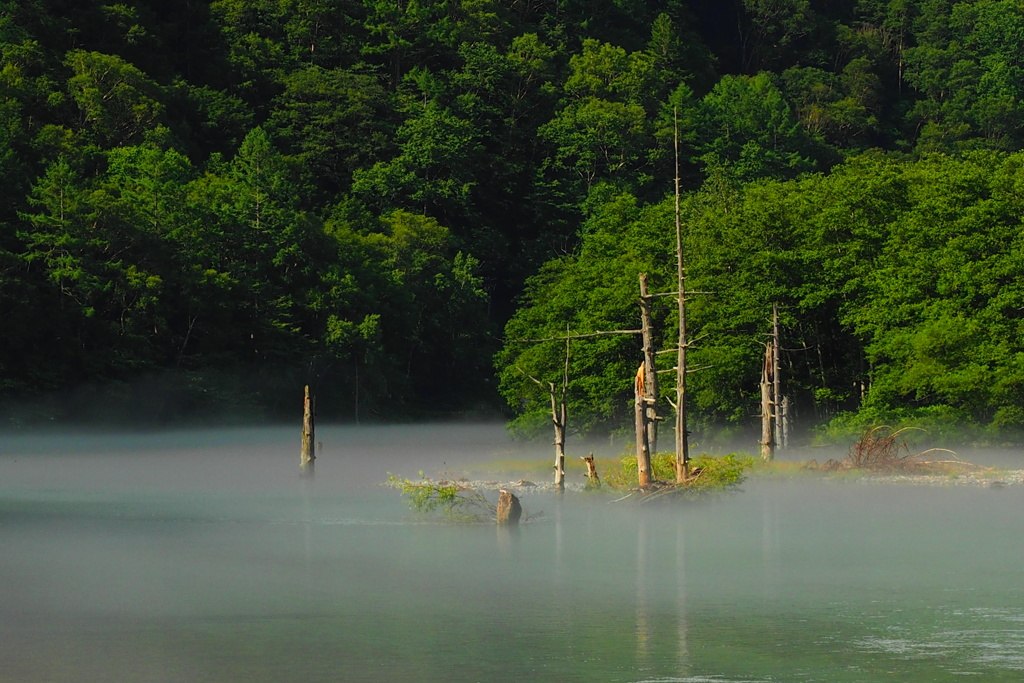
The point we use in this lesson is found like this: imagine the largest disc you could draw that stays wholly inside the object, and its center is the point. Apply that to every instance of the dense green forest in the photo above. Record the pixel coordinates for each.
(206, 205)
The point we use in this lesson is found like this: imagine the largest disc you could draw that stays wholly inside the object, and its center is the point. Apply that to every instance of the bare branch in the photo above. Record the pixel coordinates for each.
(676, 294)
(690, 343)
(526, 374)
(675, 368)
(599, 333)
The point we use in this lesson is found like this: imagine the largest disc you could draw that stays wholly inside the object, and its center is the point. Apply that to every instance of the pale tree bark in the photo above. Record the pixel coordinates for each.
(559, 414)
(777, 400)
(682, 436)
(650, 371)
(784, 409)
(767, 421)
(558, 417)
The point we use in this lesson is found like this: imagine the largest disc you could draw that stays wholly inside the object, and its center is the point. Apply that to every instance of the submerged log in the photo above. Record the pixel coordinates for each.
(509, 509)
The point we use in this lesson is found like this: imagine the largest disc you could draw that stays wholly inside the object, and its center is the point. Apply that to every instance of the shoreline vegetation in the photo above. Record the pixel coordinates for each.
(464, 500)
(482, 482)
(881, 456)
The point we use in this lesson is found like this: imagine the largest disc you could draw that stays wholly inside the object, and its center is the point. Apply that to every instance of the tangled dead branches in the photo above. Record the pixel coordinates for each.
(882, 449)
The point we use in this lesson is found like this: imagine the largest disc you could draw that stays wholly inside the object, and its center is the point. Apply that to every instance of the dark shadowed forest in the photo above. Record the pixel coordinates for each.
(206, 205)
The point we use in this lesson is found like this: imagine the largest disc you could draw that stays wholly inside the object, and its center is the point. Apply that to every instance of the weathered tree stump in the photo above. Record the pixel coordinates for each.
(509, 509)
(307, 456)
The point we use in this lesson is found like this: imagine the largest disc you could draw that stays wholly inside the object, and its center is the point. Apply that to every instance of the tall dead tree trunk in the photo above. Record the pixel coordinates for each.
(558, 417)
(307, 456)
(682, 437)
(784, 409)
(558, 414)
(767, 423)
(643, 453)
(777, 400)
(650, 370)
(558, 420)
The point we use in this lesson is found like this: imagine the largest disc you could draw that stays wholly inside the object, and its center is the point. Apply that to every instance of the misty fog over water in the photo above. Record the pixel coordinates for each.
(203, 556)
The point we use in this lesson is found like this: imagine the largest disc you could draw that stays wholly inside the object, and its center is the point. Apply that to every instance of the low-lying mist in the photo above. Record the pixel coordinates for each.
(204, 555)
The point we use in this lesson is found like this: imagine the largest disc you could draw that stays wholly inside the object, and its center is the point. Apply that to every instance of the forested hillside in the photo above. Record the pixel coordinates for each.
(206, 205)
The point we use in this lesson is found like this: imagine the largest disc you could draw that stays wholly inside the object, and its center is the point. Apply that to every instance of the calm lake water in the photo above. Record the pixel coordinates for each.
(202, 556)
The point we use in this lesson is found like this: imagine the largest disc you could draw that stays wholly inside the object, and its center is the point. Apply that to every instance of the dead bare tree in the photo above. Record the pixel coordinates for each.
(767, 404)
(559, 410)
(650, 394)
(682, 440)
(779, 402)
(559, 414)
(774, 406)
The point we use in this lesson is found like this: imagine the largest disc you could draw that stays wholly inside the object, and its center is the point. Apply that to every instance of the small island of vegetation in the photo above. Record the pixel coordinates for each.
(881, 454)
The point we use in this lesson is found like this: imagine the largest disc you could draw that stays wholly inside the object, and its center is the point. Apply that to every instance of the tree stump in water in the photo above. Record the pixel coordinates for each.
(307, 456)
(509, 509)
(592, 477)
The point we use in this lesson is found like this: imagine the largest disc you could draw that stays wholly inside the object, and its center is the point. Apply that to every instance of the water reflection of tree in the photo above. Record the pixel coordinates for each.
(644, 628)
(682, 626)
(646, 585)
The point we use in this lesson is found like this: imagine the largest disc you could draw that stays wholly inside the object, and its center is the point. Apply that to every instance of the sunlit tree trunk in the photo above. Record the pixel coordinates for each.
(592, 477)
(643, 454)
(650, 371)
(558, 417)
(682, 441)
(767, 423)
(777, 400)
(307, 455)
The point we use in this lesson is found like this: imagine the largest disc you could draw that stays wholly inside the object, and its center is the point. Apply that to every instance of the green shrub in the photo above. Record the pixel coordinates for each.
(449, 499)
(708, 473)
(719, 473)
